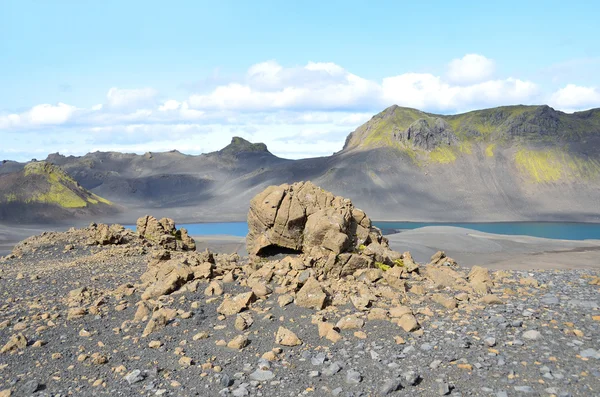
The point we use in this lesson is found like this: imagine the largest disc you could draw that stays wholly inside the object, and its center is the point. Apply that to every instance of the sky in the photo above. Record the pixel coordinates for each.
(135, 76)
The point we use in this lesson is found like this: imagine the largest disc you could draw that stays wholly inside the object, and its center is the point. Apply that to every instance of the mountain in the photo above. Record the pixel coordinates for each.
(511, 163)
(40, 192)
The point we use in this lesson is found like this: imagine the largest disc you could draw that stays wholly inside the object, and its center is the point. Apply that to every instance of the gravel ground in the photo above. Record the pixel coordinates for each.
(544, 339)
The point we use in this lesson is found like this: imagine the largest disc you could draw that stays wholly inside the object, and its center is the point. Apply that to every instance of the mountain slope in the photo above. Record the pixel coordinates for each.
(509, 163)
(42, 192)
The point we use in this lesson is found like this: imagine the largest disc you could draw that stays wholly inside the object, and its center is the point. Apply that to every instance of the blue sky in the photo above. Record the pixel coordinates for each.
(136, 76)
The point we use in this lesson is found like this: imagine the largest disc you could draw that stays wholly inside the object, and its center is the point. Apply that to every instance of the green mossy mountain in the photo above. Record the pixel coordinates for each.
(528, 124)
(45, 191)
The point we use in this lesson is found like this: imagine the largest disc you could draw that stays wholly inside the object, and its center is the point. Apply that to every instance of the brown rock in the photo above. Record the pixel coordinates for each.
(480, 280)
(324, 328)
(400, 311)
(447, 301)
(243, 321)
(408, 323)
(306, 218)
(376, 314)
(16, 342)
(236, 304)
(360, 302)
(350, 322)
(311, 295)
(491, 299)
(239, 342)
(214, 288)
(285, 337)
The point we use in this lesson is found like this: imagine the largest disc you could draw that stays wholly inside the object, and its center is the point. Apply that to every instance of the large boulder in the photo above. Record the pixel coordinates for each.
(302, 216)
(164, 233)
(333, 235)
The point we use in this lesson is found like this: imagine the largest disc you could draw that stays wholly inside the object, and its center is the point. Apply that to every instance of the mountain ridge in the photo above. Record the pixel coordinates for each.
(501, 164)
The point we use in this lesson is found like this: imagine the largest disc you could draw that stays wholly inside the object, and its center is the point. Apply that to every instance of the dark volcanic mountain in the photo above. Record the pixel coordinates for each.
(507, 163)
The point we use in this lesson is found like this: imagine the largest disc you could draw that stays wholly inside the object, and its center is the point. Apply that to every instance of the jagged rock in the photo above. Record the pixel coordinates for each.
(447, 301)
(160, 318)
(305, 218)
(408, 323)
(16, 342)
(443, 276)
(105, 234)
(243, 321)
(166, 276)
(164, 233)
(239, 342)
(285, 337)
(236, 304)
(409, 264)
(311, 295)
(480, 280)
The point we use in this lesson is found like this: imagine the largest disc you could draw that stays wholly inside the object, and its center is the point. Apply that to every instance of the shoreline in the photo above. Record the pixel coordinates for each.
(467, 246)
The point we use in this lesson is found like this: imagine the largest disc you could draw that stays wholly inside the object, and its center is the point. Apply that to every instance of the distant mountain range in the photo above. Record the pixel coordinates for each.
(507, 163)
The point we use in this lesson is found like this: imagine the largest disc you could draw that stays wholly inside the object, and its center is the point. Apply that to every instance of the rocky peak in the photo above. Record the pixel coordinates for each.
(240, 145)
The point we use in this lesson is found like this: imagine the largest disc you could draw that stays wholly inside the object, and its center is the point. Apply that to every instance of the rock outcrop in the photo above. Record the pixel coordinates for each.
(335, 237)
(164, 233)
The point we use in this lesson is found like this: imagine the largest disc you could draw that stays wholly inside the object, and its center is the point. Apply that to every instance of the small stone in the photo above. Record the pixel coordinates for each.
(350, 322)
(243, 321)
(333, 369)
(16, 342)
(524, 389)
(262, 375)
(390, 386)
(239, 342)
(285, 300)
(201, 335)
(155, 344)
(30, 387)
(353, 377)
(532, 335)
(285, 337)
(186, 361)
(311, 295)
(134, 376)
(443, 389)
(490, 341)
(236, 304)
(411, 377)
(408, 323)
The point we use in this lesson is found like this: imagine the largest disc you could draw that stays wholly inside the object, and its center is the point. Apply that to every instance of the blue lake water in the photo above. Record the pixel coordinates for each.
(556, 230)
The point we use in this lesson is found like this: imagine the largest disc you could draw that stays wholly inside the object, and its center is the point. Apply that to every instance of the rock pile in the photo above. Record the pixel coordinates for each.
(150, 233)
(164, 233)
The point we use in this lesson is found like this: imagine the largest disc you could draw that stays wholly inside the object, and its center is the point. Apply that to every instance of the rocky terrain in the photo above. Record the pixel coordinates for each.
(513, 163)
(322, 307)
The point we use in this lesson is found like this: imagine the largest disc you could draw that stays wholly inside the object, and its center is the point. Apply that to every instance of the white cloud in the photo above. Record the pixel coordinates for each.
(171, 104)
(472, 68)
(39, 115)
(429, 92)
(297, 111)
(573, 97)
(128, 98)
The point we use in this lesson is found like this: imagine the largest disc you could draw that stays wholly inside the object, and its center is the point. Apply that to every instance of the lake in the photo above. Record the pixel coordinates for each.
(556, 230)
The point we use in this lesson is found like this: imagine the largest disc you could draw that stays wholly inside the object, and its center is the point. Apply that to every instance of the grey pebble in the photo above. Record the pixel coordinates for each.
(262, 375)
(390, 386)
(134, 376)
(353, 377)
